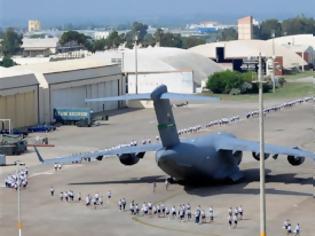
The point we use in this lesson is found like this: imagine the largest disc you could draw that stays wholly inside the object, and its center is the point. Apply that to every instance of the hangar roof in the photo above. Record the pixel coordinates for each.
(64, 66)
(250, 48)
(31, 43)
(164, 59)
(298, 39)
(69, 70)
(11, 78)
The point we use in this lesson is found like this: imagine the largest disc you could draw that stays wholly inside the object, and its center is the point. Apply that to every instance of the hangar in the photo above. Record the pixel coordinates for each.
(19, 97)
(66, 84)
(181, 70)
(232, 53)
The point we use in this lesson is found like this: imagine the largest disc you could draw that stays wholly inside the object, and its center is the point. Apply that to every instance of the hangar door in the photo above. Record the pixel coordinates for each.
(73, 97)
(21, 108)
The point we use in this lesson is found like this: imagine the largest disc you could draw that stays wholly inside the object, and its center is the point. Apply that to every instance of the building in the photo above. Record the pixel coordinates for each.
(33, 47)
(182, 71)
(34, 25)
(101, 35)
(66, 84)
(19, 97)
(301, 44)
(245, 28)
(231, 54)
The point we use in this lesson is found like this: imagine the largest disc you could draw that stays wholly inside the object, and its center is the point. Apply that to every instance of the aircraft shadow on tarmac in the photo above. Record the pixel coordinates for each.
(217, 188)
(140, 180)
(251, 175)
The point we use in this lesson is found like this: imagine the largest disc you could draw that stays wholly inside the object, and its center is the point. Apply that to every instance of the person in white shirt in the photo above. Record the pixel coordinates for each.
(297, 230)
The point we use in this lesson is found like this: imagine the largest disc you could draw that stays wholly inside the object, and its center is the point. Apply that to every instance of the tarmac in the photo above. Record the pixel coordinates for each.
(289, 189)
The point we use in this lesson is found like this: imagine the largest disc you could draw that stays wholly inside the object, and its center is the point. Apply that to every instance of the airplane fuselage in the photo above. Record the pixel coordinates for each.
(197, 159)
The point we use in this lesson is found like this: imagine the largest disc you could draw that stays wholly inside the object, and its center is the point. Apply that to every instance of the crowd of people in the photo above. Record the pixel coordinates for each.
(287, 226)
(90, 200)
(223, 121)
(18, 179)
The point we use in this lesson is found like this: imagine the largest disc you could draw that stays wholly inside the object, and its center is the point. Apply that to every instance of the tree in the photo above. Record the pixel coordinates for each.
(192, 41)
(11, 42)
(227, 34)
(234, 82)
(148, 40)
(99, 44)
(268, 27)
(299, 25)
(7, 62)
(168, 39)
(140, 30)
(80, 39)
(113, 40)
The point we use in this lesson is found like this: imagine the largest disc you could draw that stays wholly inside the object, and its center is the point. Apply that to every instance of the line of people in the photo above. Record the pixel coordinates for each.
(93, 200)
(194, 129)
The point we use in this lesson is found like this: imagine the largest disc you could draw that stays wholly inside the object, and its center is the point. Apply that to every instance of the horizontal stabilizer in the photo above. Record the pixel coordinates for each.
(147, 96)
(188, 97)
(127, 97)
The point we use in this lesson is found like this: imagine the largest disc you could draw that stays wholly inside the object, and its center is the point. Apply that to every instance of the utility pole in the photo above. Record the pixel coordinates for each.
(19, 223)
(273, 63)
(262, 153)
(136, 62)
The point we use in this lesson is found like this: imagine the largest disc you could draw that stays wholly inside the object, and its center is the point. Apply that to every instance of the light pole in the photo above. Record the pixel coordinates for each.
(19, 223)
(273, 62)
(136, 62)
(261, 153)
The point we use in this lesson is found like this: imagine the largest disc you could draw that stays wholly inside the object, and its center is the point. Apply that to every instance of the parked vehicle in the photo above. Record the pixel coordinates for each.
(82, 117)
(41, 128)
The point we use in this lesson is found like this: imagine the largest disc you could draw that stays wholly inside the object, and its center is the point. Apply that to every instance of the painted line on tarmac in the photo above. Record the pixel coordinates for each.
(41, 173)
(136, 219)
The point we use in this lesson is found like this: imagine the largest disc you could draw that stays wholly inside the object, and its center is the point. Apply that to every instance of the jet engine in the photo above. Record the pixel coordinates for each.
(99, 158)
(257, 156)
(238, 155)
(296, 161)
(130, 158)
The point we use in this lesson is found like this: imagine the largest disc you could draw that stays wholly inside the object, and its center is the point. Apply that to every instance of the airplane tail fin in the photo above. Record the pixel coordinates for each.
(163, 110)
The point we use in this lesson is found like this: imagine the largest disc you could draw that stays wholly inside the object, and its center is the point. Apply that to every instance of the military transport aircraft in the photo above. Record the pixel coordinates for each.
(211, 157)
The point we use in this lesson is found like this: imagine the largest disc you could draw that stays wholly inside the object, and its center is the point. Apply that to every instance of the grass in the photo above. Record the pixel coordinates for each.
(299, 75)
(288, 91)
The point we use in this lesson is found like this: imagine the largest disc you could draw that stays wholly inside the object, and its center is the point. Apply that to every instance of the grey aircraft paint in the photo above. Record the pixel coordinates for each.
(211, 157)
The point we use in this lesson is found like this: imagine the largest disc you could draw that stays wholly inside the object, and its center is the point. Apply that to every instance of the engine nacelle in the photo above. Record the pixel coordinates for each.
(99, 158)
(130, 158)
(257, 156)
(238, 155)
(296, 161)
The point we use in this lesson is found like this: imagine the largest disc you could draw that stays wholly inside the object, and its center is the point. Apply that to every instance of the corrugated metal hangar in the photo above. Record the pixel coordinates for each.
(66, 84)
(18, 97)
(63, 84)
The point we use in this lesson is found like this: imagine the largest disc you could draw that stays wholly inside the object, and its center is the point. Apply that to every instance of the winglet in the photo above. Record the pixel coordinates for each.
(40, 158)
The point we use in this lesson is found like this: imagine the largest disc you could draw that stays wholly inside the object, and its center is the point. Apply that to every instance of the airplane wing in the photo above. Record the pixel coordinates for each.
(235, 144)
(98, 154)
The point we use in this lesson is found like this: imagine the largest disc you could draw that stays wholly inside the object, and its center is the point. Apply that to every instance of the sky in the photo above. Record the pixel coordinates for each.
(108, 12)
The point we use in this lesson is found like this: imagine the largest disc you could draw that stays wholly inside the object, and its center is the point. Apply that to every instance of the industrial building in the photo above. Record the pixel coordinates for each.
(34, 25)
(33, 47)
(19, 91)
(245, 28)
(67, 83)
(181, 70)
(301, 44)
(231, 54)
(29, 93)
